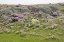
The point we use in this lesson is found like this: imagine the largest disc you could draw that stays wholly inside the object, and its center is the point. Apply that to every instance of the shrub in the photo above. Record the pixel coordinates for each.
(33, 8)
(46, 9)
(5, 11)
(20, 9)
(54, 8)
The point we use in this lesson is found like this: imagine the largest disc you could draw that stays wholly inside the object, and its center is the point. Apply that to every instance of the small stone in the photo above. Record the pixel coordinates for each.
(17, 32)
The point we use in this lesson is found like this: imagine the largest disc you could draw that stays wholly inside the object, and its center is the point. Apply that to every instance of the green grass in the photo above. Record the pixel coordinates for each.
(12, 37)
(27, 38)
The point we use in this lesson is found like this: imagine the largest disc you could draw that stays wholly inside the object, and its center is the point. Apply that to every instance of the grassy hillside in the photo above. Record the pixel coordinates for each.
(31, 27)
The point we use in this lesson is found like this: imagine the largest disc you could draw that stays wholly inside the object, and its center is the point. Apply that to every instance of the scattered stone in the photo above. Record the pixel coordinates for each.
(12, 26)
(36, 29)
(6, 30)
(53, 37)
(27, 25)
(41, 26)
(62, 21)
(55, 14)
(18, 26)
(47, 38)
(1, 24)
(22, 32)
(50, 27)
(17, 32)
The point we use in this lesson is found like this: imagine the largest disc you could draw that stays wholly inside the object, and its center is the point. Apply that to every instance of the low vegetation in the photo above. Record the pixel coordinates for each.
(32, 23)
